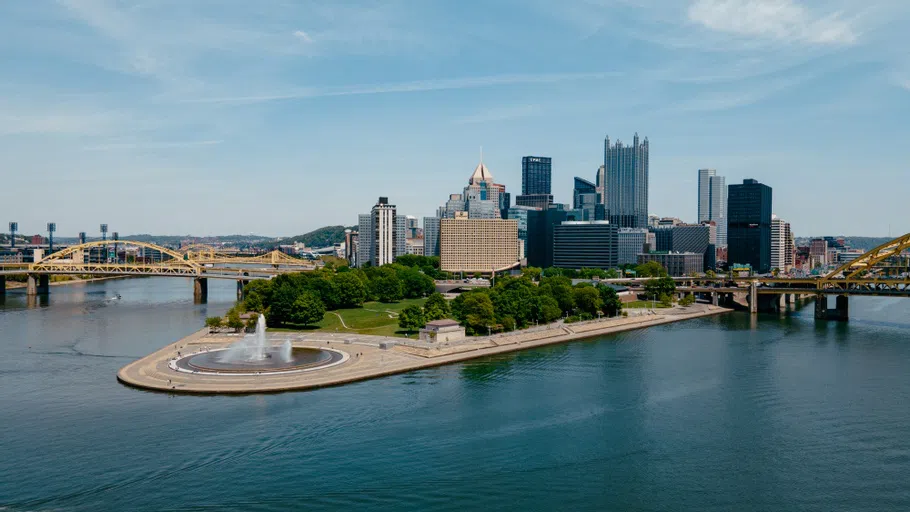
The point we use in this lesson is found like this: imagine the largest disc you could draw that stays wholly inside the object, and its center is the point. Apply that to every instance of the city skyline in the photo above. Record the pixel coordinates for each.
(131, 108)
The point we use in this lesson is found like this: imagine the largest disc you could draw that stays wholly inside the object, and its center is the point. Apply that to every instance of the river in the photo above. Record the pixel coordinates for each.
(716, 414)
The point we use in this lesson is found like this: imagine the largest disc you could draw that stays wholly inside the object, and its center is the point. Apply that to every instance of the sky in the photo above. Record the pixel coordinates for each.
(276, 117)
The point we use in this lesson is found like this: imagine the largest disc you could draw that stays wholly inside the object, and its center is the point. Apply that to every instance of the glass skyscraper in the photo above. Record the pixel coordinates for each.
(584, 197)
(626, 169)
(536, 172)
(712, 202)
(749, 225)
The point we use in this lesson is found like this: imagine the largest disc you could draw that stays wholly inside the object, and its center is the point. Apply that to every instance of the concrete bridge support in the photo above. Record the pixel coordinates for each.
(200, 289)
(2, 286)
(715, 299)
(771, 303)
(753, 297)
(841, 311)
(240, 286)
(38, 284)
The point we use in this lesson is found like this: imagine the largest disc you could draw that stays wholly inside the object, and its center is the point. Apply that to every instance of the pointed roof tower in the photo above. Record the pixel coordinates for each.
(481, 173)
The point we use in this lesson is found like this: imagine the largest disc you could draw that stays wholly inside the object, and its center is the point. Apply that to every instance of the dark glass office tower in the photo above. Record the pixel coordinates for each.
(584, 197)
(541, 224)
(626, 169)
(749, 225)
(536, 172)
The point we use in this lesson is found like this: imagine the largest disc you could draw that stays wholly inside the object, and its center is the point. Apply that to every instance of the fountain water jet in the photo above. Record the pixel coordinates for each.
(250, 349)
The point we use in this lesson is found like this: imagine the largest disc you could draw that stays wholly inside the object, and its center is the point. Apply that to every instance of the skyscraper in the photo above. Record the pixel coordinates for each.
(749, 225)
(626, 169)
(364, 239)
(536, 173)
(384, 233)
(584, 197)
(431, 236)
(782, 246)
(712, 202)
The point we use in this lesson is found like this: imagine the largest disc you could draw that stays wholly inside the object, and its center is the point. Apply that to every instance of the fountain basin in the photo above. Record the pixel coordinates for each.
(302, 358)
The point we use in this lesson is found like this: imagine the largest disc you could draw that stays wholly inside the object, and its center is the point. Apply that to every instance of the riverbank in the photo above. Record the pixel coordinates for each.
(370, 356)
(10, 285)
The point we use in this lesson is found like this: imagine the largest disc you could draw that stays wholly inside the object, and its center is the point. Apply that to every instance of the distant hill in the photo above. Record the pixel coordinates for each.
(864, 243)
(322, 237)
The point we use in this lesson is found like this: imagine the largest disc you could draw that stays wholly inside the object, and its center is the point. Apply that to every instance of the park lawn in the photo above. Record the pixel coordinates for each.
(646, 304)
(372, 318)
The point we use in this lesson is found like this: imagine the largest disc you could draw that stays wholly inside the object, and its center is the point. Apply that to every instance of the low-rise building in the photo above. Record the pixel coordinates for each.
(580, 244)
(678, 264)
(442, 331)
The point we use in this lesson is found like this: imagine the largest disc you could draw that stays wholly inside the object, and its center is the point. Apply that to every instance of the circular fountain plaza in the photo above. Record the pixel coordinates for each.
(252, 355)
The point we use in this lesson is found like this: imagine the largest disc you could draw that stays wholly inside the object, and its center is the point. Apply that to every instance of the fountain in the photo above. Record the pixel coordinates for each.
(253, 354)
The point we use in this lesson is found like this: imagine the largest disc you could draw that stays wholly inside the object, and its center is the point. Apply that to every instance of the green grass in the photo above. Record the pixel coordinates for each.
(372, 318)
(646, 304)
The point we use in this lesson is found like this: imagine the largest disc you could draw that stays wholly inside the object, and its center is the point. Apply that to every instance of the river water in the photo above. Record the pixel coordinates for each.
(725, 413)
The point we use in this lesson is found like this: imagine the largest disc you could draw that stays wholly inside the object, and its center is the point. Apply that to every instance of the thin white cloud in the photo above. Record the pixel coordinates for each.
(303, 36)
(151, 145)
(780, 20)
(500, 114)
(415, 86)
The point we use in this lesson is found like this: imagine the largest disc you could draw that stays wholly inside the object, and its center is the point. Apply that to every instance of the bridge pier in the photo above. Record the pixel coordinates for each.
(37, 284)
(200, 289)
(842, 303)
(821, 307)
(240, 287)
(753, 297)
(2, 286)
(770, 303)
(715, 299)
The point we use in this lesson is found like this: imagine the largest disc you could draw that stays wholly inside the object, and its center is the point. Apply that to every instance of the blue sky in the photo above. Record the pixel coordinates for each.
(280, 116)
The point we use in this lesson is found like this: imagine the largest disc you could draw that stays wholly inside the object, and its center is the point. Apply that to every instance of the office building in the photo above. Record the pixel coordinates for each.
(584, 197)
(477, 245)
(536, 174)
(364, 239)
(585, 244)
(626, 169)
(712, 202)
(539, 252)
(412, 228)
(414, 246)
(350, 247)
(678, 264)
(539, 201)
(686, 238)
(520, 215)
(818, 252)
(600, 183)
(782, 245)
(630, 242)
(749, 225)
(431, 236)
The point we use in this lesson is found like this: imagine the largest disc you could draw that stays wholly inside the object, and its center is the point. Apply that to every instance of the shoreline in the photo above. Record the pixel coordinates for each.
(370, 356)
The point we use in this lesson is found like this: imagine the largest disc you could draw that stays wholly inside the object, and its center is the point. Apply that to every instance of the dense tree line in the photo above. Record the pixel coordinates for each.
(649, 269)
(519, 302)
(303, 298)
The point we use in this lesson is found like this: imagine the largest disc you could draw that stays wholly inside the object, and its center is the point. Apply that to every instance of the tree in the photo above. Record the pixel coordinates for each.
(547, 309)
(308, 309)
(233, 320)
(213, 322)
(477, 311)
(560, 288)
(388, 287)
(411, 318)
(532, 273)
(282, 303)
(666, 300)
(612, 304)
(612, 274)
(587, 299)
(688, 300)
(415, 284)
(650, 269)
(710, 273)
(350, 289)
(251, 322)
(654, 288)
(436, 307)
